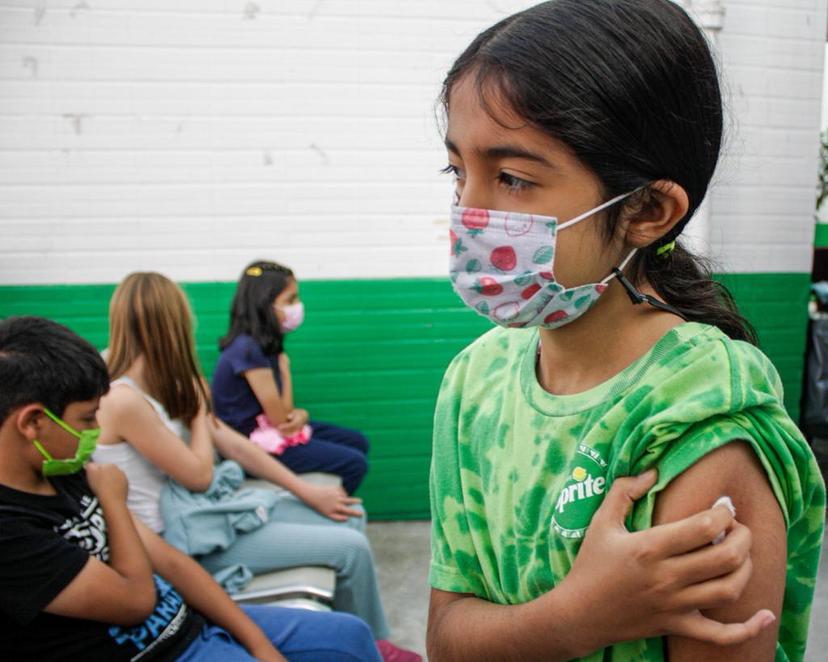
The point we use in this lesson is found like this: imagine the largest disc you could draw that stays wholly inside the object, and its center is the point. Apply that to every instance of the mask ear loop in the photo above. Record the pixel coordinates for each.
(638, 297)
(61, 423)
(42, 450)
(592, 212)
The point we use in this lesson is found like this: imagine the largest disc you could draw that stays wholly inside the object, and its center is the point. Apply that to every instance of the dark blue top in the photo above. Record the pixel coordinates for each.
(233, 399)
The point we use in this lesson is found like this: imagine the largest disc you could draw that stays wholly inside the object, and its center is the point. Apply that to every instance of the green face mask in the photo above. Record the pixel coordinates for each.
(87, 441)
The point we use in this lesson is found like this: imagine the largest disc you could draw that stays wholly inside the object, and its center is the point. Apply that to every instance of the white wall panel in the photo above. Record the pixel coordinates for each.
(191, 136)
(762, 206)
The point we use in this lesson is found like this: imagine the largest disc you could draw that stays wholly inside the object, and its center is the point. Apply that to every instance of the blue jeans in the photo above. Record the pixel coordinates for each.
(298, 634)
(331, 449)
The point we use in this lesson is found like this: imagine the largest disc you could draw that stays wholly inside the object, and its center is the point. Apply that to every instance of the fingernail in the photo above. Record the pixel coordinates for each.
(769, 618)
(650, 473)
(727, 503)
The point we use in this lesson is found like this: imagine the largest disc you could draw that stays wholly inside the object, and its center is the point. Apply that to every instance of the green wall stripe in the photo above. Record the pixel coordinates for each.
(821, 235)
(372, 352)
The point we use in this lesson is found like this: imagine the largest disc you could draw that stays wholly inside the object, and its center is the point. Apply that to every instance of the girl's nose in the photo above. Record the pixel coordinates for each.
(473, 195)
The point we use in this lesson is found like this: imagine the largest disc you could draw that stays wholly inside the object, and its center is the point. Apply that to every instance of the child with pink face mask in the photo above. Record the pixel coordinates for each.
(252, 383)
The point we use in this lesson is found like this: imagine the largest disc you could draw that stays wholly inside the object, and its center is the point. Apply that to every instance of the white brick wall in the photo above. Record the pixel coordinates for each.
(190, 136)
(762, 207)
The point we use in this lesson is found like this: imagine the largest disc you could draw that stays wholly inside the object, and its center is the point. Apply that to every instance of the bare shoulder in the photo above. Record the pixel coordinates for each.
(733, 470)
(123, 404)
(121, 397)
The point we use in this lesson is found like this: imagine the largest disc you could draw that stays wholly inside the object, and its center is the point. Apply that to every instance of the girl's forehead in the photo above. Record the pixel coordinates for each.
(484, 121)
(482, 112)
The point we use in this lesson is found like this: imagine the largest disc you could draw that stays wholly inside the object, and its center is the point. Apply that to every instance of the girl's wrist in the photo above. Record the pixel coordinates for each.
(567, 614)
(302, 490)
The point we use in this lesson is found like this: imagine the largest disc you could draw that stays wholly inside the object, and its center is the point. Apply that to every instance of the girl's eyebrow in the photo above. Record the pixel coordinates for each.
(505, 152)
(513, 152)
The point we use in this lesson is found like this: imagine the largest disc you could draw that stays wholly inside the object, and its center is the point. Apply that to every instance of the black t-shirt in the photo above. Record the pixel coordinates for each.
(45, 541)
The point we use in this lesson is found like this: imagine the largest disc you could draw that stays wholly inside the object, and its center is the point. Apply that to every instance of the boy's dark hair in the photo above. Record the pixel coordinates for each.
(632, 88)
(252, 309)
(43, 361)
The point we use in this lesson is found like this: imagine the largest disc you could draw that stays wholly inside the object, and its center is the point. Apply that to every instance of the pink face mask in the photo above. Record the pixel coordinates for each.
(294, 316)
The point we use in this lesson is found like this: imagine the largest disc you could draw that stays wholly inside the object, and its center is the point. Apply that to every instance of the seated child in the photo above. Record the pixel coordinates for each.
(155, 424)
(79, 578)
(253, 385)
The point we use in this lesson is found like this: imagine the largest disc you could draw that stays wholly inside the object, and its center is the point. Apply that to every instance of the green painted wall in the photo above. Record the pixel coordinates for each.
(372, 352)
(821, 235)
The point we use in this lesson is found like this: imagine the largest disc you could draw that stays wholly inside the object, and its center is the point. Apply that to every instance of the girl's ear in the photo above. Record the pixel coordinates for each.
(661, 205)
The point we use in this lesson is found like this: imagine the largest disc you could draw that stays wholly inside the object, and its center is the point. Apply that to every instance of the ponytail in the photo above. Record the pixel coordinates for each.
(684, 280)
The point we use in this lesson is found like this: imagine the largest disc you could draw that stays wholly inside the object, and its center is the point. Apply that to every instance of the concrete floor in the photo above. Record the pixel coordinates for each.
(402, 554)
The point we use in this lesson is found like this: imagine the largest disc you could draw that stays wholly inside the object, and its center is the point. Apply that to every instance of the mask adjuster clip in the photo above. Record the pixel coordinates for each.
(639, 297)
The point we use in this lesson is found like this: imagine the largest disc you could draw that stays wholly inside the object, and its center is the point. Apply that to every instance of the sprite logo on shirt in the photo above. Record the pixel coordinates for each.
(581, 494)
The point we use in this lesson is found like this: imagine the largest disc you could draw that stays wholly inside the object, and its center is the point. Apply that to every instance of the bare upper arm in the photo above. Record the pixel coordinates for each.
(735, 471)
(125, 414)
(263, 384)
(99, 593)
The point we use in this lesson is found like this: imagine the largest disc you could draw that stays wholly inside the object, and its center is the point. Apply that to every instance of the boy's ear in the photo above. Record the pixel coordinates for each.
(652, 215)
(29, 420)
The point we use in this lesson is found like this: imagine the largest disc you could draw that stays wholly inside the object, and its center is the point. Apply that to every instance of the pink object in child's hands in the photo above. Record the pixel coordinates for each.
(274, 442)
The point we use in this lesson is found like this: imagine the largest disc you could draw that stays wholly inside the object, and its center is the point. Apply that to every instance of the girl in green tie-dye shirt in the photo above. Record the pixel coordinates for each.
(583, 135)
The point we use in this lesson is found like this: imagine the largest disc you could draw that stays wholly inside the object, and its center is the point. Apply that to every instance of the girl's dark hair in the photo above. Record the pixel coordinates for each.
(252, 310)
(632, 88)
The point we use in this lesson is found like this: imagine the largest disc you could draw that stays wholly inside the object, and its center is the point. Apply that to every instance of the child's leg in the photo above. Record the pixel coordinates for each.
(322, 455)
(300, 635)
(300, 536)
(339, 435)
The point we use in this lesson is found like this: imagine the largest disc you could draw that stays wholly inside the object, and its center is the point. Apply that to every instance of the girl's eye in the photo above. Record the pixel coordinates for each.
(513, 183)
(451, 170)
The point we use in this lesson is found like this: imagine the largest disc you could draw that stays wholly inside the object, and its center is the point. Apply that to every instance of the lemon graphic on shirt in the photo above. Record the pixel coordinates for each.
(580, 495)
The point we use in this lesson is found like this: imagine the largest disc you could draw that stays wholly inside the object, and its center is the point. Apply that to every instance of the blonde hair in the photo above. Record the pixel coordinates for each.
(149, 316)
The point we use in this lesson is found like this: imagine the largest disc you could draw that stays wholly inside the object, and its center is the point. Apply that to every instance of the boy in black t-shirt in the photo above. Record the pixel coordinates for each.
(79, 578)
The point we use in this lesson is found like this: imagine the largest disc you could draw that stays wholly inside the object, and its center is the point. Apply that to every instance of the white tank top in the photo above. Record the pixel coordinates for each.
(145, 479)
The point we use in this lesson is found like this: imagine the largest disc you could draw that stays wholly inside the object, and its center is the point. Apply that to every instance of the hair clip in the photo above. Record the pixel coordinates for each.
(666, 248)
(254, 271)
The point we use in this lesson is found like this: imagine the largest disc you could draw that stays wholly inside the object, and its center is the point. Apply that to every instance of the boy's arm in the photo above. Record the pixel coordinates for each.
(734, 470)
(202, 593)
(121, 592)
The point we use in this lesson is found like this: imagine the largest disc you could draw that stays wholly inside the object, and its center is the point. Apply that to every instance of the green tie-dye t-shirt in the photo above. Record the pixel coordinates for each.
(517, 472)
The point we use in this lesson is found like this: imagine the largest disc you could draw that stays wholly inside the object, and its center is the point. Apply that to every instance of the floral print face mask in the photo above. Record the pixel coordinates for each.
(502, 266)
